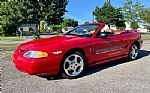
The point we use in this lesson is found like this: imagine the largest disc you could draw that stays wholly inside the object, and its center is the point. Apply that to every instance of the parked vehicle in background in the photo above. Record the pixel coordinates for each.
(87, 45)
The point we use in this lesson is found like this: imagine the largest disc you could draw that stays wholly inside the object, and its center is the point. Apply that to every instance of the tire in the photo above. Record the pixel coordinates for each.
(73, 65)
(133, 52)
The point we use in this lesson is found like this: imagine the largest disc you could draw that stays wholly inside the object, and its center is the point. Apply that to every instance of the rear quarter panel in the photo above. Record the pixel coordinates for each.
(130, 38)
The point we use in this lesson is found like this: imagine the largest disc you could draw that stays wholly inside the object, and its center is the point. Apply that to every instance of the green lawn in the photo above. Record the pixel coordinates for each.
(15, 38)
(9, 44)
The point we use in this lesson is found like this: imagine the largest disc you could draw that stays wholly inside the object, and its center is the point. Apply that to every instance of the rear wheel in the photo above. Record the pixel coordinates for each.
(73, 65)
(133, 53)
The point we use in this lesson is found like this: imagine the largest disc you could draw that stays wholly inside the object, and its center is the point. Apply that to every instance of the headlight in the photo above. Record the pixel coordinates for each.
(35, 54)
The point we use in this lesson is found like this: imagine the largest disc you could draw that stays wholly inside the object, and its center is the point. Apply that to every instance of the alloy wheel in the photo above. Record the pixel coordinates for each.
(134, 52)
(73, 65)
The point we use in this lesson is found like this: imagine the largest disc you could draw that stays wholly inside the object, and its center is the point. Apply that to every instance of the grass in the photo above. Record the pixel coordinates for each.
(14, 38)
(9, 44)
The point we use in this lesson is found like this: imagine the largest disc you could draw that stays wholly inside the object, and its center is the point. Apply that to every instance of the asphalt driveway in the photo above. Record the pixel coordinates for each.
(118, 76)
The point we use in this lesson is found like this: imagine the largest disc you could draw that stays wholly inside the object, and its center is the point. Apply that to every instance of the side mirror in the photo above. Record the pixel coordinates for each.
(101, 35)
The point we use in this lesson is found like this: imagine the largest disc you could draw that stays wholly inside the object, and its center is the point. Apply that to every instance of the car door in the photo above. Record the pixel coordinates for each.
(118, 45)
(108, 46)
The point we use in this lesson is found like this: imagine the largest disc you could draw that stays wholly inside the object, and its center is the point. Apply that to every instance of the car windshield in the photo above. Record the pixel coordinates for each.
(86, 30)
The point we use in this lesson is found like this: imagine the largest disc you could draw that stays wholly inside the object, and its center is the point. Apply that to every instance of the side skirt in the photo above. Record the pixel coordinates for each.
(107, 60)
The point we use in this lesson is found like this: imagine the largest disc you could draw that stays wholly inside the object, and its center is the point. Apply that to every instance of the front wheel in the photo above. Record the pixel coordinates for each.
(73, 65)
(133, 52)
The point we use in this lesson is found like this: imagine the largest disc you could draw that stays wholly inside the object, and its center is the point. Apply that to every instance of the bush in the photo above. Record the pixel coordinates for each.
(27, 32)
(9, 30)
(120, 28)
(134, 25)
(120, 25)
(1, 31)
(56, 27)
(65, 28)
(70, 22)
(148, 27)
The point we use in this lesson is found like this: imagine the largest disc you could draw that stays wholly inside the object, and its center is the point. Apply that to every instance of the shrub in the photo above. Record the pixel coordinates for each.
(120, 28)
(9, 30)
(148, 28)
(65, 28)
(1, 31)
(120, 25)
(134, 25)
(56, 27)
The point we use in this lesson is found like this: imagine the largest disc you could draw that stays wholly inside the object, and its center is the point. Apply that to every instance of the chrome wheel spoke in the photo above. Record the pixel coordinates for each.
(133, 47)
(79, 64)
(73, 65)
(75, 59)
(69, 61)
(75, 72)
(134, 52)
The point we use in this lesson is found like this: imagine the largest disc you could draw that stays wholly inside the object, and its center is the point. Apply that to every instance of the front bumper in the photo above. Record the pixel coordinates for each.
(43, 66)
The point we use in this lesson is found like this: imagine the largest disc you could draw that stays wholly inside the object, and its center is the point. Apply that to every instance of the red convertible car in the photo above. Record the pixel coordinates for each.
(70, 54)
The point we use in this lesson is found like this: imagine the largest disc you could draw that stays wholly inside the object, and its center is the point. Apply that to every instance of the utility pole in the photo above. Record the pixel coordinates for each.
(93, 18)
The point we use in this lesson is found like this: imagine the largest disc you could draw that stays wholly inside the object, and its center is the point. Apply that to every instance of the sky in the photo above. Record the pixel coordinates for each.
(81, 10)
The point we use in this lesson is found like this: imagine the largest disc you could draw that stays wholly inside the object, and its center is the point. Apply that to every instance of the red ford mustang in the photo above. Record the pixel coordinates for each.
(69, 54)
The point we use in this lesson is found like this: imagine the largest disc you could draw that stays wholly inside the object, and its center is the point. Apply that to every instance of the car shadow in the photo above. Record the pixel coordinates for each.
(143, 53)
(97, 68)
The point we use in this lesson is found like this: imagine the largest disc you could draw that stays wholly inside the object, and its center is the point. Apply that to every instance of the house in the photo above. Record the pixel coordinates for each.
(27, 27)
(143, 27)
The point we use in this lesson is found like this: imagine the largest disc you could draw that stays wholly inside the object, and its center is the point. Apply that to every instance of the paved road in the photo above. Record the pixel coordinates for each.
(118, 76)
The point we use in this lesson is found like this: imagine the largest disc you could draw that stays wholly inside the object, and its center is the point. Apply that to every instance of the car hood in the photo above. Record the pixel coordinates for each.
(47, 41)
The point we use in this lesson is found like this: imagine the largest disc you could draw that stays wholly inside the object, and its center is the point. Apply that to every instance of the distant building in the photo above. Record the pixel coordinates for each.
(143, 27)
(113, 27)
(27, 27)
(128, 27)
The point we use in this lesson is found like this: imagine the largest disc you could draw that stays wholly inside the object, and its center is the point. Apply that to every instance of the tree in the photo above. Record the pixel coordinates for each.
(145, 16)
(70, 22)
(107, 13)
(14, 13)
(8, 17)
(134, 25)
(132, 11)
(51, 11)
(1, 29)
